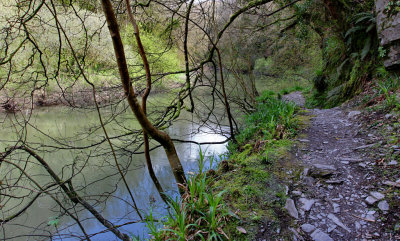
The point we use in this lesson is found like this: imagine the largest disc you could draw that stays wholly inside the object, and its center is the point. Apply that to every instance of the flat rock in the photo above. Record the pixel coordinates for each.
(371, 217)
(377, 195)
(336, 208)
(318, 235)
(371, 200)
(351, 160)
(393, 184)
(291, 208)
(308, 228)
(337, 221)
(307, 203)
(383, 205)
(353, 113)
(331, 228)
(325, 167)
(320, 170)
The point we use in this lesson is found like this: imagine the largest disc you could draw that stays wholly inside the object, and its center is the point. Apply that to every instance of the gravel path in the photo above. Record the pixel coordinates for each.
(333, 200)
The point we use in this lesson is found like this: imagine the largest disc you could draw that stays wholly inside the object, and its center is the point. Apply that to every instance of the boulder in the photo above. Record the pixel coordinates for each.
(388, 26)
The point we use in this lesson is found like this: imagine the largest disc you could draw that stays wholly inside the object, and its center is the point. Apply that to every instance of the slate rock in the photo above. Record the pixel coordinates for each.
(377, 195)
(337, 221)
(318, 235)
(336, 208)
(371, 200)
(322, 171)
(383, 205)
(291, 208)
(371, 217)
(307, 203)
(308, 228)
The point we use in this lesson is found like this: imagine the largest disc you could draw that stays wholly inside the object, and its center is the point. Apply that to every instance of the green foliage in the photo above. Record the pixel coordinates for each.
(153, 226)
(392, 8)
(388, 89)
(53, 221)
(199, 214)
(349, 36)
(162, 54)
(286, 91)
(382, 52)
(361, 38)
(263, 66)
(273, 119)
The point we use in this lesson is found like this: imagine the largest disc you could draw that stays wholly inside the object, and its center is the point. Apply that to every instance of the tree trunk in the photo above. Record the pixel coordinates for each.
(160, 136)
(144, 101)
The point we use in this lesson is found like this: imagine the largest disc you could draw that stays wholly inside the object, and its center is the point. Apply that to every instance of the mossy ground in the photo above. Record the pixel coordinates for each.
(255, 181)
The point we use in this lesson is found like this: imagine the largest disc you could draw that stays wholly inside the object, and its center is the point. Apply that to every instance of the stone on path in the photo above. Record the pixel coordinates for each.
(336, 208)
(318, 235)
(307, 204)
(377, 195)
(291, 208)
(338, 222)
(383, 205)
(308, 228)
(371, 200)
(393, 184)
(320, 170)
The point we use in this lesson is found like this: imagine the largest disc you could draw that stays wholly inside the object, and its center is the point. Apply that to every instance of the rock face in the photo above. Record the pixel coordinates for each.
(388, 25)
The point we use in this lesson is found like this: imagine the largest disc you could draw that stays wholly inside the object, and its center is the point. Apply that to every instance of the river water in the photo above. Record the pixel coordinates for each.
(93, 170)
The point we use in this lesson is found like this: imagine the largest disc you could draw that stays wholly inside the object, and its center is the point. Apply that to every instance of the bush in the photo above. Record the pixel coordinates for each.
(273, 119)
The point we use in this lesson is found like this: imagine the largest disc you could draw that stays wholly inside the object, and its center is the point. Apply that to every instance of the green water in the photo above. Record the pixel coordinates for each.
(70, 141)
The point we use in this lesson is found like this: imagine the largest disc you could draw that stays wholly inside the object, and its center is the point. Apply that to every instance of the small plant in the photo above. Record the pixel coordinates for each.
(362, 34)
(153, 226)
(392, 8)
(53, 221)
(387, 88)
(273, 118)
(382, 52)
(198, 214)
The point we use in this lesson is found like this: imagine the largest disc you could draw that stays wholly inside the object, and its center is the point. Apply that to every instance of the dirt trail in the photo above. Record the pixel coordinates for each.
(333, 200)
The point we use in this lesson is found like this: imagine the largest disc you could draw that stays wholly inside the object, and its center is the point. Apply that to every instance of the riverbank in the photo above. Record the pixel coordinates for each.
(249, 187)
(334, 177)
(76, 97)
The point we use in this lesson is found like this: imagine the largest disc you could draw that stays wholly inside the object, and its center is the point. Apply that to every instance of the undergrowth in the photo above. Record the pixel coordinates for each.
(199, 214)
(246, 190)
(254, 176)
(273, 119)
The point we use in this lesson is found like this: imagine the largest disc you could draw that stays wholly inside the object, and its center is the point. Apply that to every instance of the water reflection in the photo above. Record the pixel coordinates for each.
(98, 181)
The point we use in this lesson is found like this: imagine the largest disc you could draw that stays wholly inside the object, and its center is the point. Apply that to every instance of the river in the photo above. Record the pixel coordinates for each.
(93, 170)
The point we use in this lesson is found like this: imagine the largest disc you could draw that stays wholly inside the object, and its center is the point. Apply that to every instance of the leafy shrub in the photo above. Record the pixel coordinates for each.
(198, 214)
(273, 119)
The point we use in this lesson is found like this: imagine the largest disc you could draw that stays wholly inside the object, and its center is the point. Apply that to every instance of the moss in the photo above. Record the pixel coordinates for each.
(255, 189)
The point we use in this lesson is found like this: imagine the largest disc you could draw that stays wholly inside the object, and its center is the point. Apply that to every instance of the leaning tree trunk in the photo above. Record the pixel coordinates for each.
(160, 136)
(144, 101)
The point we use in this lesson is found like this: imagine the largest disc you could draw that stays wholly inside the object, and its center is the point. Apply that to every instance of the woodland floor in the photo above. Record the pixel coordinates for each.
(348, 189)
